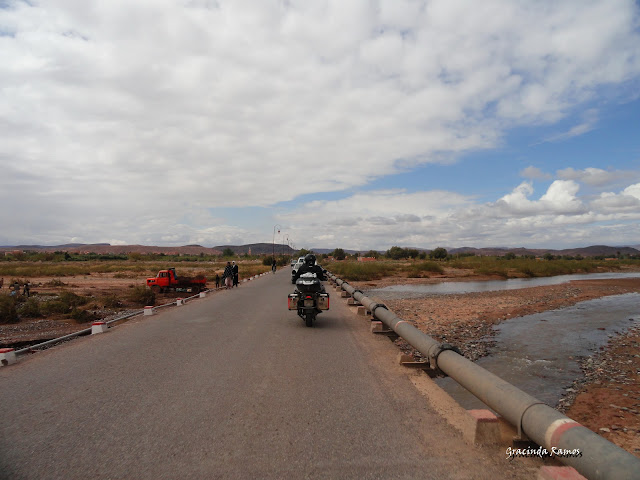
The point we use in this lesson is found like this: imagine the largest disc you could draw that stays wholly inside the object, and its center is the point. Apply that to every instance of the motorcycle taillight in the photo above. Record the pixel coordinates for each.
(308, 296)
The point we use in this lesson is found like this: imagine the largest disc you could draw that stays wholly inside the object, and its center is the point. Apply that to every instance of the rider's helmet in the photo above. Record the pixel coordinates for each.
(310, 259)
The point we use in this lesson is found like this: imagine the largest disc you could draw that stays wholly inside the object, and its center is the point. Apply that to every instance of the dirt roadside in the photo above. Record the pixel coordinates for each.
(99, 288)
(607, 400)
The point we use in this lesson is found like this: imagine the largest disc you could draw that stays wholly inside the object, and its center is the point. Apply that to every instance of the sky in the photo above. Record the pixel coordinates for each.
(321, 124)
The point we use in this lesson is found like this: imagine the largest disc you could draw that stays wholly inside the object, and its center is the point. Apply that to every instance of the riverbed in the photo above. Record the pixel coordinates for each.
(540, 354)
(472, 321)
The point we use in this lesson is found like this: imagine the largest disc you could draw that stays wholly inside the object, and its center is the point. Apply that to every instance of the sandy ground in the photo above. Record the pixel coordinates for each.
(97, 286)
(607, 400)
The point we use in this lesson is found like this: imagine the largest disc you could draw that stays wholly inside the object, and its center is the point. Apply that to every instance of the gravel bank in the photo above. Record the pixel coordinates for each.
(606, 400)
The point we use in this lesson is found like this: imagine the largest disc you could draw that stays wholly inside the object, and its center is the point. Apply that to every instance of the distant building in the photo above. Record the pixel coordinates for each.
(366, 259)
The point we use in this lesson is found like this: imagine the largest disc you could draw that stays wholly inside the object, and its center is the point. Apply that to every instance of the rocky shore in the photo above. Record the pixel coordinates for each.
(606, 400)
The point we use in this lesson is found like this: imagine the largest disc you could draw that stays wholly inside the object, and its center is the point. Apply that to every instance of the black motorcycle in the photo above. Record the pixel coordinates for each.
(309, 299)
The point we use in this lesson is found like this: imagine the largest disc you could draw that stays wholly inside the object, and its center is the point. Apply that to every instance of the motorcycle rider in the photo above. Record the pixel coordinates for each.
(310, 266)
(308, 292)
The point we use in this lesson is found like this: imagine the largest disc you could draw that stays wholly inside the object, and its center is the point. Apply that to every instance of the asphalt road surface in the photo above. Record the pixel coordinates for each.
(230, 386)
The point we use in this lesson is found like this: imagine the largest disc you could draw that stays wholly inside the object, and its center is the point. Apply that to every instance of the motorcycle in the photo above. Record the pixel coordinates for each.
(309, 299)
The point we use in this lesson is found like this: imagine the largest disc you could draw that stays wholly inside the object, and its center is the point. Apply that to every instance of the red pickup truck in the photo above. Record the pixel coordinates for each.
(167, 280)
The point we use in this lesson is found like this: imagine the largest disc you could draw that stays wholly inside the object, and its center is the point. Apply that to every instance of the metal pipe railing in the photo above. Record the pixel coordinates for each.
(599, 458)
(52, 341)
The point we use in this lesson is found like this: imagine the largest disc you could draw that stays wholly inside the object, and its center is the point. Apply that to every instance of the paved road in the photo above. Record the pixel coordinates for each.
(229, 386)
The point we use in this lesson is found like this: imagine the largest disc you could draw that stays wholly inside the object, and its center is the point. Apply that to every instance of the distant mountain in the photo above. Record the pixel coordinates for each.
(268, 248)
(105, 248)
(60, 248)
(592, 251)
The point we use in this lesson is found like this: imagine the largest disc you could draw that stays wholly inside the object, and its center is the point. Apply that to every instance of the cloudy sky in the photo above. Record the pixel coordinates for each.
(342, 123)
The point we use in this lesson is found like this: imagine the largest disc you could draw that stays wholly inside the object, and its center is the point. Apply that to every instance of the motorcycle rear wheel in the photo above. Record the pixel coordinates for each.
(309, 318)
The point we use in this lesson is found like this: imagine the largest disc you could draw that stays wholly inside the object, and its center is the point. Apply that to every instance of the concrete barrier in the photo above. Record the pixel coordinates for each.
(98, 327)
(149, 310)
(558, 473)
(485, 428)
(7, 356)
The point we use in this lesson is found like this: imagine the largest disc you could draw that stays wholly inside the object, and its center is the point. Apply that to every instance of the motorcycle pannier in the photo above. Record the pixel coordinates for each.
(293, 301)
(308, 285)
(323, 301)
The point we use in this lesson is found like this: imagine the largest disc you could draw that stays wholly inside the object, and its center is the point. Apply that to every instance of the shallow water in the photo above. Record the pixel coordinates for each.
(540, 353)
(447, 288)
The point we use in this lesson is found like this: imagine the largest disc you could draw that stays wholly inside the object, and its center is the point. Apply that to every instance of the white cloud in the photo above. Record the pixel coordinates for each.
(633, 191)
(561, 197)
(588, 123)
(559, 217)
(535, 173)
(616, 204)
(596, 177)
(116, 117)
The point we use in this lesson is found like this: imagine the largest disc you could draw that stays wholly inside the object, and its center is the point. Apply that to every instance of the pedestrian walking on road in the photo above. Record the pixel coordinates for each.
(228, 275)
(217, 281)
(273, 266)
(235, 274)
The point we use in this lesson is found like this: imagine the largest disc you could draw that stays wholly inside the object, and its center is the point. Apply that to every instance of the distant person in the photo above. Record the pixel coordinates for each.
(26, 289)
(273, 266)
(235, 274)
(227, 276)
(217, 281)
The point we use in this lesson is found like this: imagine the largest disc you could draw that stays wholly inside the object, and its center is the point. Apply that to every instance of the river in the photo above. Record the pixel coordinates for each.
(448, 288)
(538, 353)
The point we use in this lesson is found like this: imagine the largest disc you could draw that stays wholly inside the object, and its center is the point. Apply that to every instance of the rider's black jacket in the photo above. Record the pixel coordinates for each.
(317, 269)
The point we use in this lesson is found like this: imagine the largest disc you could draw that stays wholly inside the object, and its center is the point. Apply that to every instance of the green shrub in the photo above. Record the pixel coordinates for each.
(141, 295)
(54, 306)
(418, 269)
(111, 301)
(489, 270)
(30, 308)
(64, 304)
(268, 260)
(82, 316)
(73, 300)
(362, 271)
(527, 271)
(8, 312)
